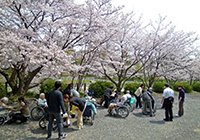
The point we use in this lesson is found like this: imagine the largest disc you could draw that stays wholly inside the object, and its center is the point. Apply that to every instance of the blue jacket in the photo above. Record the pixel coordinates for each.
(93, 107)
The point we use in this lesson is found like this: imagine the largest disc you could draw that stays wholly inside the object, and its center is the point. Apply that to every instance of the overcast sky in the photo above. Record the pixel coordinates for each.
(185, 14)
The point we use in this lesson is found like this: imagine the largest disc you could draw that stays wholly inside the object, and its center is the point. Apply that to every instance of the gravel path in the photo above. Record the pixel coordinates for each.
(135, 127)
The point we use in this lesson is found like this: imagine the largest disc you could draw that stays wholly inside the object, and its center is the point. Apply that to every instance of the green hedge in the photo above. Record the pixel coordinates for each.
(196, 87)
(49, 85)
(188, 88)
(158, 87)
(99, 88)
(132, 87)
(2, 90)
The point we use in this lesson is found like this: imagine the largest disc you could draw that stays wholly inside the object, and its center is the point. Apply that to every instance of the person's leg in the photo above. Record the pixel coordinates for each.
(58, 118)
(145, 108)
(139, 101)
(111, 106)
(182, 109)
(150, 107)
(50, 125)
(166, 110)
(136, 101)
(170, 111)
(80, 118)
(106, 101)
(180, 112)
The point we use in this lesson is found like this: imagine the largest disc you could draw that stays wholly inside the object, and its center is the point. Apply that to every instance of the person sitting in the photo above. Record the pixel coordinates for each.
(112, 105)
(3, 103)
(127, 95)
(147, 97)
(149, 90)
(24, 111)
(42, 101)
(92, 102)
(86, 97)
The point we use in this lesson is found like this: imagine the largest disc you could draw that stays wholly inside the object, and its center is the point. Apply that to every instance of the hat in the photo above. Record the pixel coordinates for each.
(93, 100)
(167, 85)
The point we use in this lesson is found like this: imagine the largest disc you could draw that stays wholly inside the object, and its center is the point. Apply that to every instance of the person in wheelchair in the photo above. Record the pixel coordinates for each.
(112, 105)
(147, 99)
(42, 101)
(3, 103)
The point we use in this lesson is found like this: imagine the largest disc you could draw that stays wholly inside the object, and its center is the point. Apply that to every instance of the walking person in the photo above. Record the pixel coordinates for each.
(137, 94)
(181, 99)
(168, 98)
(55, 103)
(107, 95)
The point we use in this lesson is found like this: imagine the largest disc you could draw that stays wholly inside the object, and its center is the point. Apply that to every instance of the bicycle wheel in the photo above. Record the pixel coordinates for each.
(43, 122)
(2, 120)
(37, 113)
(123, 111)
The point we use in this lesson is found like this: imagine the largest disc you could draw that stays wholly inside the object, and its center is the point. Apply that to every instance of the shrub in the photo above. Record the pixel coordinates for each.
(196, 87)
(99, 88)
(30, 94)
(48, 85)
(2, 90)
(158, 87)
(188, 88)
(132, 87)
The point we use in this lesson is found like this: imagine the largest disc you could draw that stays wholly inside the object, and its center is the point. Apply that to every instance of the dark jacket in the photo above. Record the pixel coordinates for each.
(108, 92)
(181, 94)
(146, 96)
(55, 101)
(78, 102)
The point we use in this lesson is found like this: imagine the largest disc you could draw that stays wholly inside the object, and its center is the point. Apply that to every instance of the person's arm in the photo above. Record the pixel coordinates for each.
(62, 103)
(18, 108)
(94, 109)
(162, 99)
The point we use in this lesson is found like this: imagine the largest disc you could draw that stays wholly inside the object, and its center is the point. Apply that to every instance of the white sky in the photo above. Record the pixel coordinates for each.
(183, 13)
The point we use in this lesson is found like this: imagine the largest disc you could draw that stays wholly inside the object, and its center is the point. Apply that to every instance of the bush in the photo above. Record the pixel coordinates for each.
(99, 88)
(132, 87)
(2, 90)
(49, 85)
(188, 88)
(158, 87)
(30, 94)
(196, 87)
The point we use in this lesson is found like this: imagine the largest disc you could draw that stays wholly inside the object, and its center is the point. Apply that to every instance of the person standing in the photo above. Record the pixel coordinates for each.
(81, 104)
(107, 95)
(168, 98)
(55, 102)
(138, 93)
(181, 99)
(147, 98)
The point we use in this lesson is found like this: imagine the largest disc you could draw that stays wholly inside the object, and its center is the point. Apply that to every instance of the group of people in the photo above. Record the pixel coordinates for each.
(60, 101)
(148, 100)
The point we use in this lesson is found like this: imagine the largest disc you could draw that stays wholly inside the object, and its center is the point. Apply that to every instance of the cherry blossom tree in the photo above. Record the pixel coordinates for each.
(30, 49)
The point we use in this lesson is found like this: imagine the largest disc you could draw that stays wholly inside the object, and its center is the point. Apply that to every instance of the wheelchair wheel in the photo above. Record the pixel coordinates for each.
(37, 113)
(2, 120)
(43, 122)
(123, 111)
